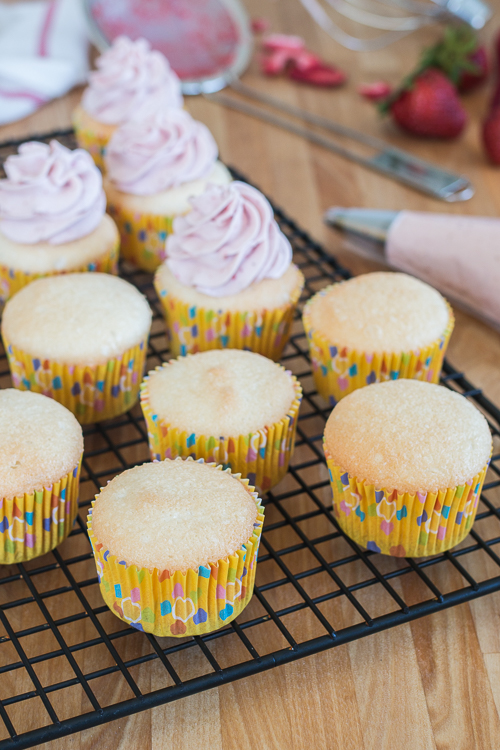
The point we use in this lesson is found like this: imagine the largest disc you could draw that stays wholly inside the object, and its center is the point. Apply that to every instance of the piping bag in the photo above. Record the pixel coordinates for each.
(459, 255)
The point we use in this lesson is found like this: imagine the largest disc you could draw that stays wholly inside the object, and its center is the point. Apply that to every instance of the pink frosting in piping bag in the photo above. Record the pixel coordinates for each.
(159, 153)
(131, 81)
(51, 194)
(228, 241)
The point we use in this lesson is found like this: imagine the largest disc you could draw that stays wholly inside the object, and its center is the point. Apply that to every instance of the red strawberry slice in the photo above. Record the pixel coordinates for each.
(376, 91)
(430, 108)
(318, 74)
(491, 135)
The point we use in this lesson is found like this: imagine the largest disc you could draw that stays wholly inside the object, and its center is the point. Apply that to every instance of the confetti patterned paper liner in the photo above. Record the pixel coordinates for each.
(261, 456)
(143, 236)
(338, 371)
(91, 135)
(35, 523)
(175, 603)
(92, 393)
(193, 329)
(12, 279)
(403, 524)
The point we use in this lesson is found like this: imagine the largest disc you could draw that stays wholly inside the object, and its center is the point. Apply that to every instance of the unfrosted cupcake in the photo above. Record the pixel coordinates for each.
(232, 407)
(407, 462)
(131, 81)
(52, 216)
(376, 327)
(229, 280)
(153, 167)
(176, 545)
(80, 339)
(41, 448)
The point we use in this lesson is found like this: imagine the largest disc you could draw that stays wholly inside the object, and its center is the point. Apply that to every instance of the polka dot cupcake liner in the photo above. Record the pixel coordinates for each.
(12, 279)
(143, 236)
(338, 370)
(91, 135)
(173, 603)
(35, 523)
(403, 524)
(92, 393)
(193, 329)
(261, 456)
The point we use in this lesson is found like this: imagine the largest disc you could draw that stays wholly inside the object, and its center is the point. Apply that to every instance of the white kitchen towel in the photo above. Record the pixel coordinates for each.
(43, 54)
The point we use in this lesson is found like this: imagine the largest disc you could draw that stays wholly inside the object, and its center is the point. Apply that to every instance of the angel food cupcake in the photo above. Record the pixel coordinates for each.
(175, 545)
(131, 81)
(229, 280)
(407, 462)
(376, 327)
(41, 448)
(233, 407)
(52, 216)
(153, 167)
(80, 339)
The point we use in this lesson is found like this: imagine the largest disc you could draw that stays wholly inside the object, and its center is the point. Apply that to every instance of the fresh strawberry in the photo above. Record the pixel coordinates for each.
(470, 79)
(428, 106)
(491, 135)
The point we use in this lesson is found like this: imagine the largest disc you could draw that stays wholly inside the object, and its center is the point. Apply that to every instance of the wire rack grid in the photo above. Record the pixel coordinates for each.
(67, 663)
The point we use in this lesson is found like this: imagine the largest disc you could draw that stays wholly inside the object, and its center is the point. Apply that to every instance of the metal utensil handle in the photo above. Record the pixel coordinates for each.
(391, 162)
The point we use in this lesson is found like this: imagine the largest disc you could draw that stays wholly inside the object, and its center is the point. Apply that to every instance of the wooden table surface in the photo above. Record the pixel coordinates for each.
(434, 683)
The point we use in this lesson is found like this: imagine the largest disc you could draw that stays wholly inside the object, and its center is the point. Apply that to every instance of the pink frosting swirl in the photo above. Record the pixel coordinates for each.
(51, 194)
(131, 81)
(228, 241)
(159, 153)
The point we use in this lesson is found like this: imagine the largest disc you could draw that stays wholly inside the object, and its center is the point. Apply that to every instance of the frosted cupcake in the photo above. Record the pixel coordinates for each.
(52, 216)
(80, 339)
(176, 545)
(376, 327)
(229, 280)
(232, 407)
(131, 81)
(407, 462)
(153, 167)
(41, 448)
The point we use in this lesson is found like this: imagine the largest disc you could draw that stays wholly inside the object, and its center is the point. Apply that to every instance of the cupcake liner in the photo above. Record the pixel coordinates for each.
(93, 392)
(90, 136)
(194, 329)
(262, 456)
(175, 603)
(403, 524)
(13, 279)
(35, 523)
(338, 371)
(143, 236)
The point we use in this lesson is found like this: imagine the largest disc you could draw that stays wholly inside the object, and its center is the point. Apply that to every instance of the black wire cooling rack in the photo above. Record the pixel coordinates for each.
(67, 663)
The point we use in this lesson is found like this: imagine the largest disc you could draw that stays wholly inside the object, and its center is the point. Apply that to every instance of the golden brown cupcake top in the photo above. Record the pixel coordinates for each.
(408, 435)
(174, 515)
(40, 442)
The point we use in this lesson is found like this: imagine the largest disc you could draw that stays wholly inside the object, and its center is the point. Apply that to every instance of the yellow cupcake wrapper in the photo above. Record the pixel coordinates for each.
(193, 329)
(34, 523)
(338, 370)
(403, 524)
(262, 456)
(12, 279)
(92, 138)
(143, 236)
(93, 392)
(175, 603)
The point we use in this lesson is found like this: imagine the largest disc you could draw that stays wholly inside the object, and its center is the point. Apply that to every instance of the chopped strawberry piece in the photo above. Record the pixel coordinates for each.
(375, 91)
(259, 25)
(318, 75)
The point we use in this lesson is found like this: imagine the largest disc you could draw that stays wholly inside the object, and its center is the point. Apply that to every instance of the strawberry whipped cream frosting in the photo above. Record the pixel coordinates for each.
(159, 153)
(51, 194)
(131, 81)
(228, 241)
